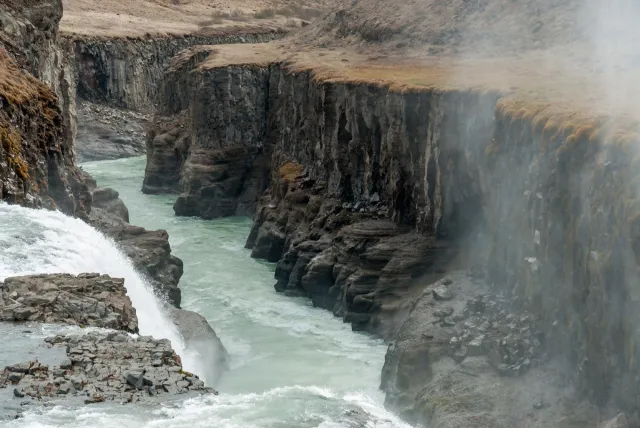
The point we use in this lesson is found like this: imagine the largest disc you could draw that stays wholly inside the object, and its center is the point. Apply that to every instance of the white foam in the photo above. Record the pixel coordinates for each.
(41, 241)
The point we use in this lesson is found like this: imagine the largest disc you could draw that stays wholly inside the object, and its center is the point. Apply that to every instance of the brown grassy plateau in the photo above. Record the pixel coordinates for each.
(127, 18)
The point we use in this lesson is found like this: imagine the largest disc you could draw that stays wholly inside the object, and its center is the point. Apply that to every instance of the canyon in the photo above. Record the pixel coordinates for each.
(484, 224)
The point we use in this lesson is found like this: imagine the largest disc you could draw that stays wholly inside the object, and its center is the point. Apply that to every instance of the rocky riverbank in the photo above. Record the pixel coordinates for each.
(104, 367)
(99, 366)
(149, 250)
(372, 194)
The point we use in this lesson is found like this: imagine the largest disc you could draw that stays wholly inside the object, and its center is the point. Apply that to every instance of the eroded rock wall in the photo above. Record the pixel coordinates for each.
(37, 122)
(216, 160)
(373, 194)
(125, 72)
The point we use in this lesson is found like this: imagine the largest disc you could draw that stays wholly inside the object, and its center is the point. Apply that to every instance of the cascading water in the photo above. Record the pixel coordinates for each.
(291, 365)
(40, 241)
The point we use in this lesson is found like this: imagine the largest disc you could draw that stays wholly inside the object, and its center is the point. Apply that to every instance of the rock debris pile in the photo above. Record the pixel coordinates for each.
(484, 326)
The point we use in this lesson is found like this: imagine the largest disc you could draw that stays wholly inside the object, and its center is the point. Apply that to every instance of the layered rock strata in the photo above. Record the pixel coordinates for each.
(87, 299)
(373, 192)
(104, 367)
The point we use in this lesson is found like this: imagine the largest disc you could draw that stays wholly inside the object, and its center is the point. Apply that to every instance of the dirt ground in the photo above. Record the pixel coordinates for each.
(127, 18)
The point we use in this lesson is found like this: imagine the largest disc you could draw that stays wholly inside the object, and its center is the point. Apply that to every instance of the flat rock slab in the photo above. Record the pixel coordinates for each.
(88, 299)
(99, 367)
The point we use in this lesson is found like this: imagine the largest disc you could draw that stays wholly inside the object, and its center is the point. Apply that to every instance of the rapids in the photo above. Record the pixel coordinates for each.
(292, 365)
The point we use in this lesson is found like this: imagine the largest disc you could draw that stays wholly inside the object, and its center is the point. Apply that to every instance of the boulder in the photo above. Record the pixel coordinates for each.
(200, 337)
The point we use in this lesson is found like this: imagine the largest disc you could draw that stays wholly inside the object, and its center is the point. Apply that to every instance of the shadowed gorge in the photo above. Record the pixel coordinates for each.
(272, 193)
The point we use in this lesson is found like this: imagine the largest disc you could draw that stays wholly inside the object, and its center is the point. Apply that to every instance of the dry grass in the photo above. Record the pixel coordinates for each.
(292, 11)
(126, 18)
(12, 145)
(27, 106)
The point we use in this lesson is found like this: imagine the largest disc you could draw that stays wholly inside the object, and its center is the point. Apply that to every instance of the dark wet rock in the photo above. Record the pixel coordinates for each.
(200, 337)
(104, 367)
(358, 265)
(149, 250)
(217, 170)
(460, 354)
(108, 200)
(87, 299)
(441, 292)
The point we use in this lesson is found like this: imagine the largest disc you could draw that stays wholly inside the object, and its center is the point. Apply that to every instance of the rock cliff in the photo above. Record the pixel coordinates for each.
(375, 193)
(149, 250)
(215, 159)
(125, 72)
(36, 123)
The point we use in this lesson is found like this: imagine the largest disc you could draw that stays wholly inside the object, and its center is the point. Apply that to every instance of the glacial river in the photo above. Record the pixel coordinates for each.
(292, 365)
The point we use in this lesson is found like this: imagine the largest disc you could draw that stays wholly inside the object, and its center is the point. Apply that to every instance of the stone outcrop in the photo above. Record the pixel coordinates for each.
(463, 358)
(87, 299)
(36, 151)
(125, 72)
(218, 170)
(149, 250)
(104, 367)
(390, 187)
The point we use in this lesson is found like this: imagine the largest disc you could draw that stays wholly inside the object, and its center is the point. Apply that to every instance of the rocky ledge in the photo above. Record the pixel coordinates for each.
(467, 356)
(88, 299)
(149, 250)
(104, 367)
(99, 366)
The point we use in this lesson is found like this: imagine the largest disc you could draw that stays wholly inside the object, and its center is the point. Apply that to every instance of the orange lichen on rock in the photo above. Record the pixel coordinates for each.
(290, 170)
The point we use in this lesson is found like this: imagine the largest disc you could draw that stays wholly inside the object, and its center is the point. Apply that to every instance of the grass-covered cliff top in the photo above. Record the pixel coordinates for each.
(140, 18)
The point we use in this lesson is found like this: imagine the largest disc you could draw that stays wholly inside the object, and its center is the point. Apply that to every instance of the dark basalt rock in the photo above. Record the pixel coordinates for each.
(149, 250)
(105, 367)
(87, 299)
(360, 265)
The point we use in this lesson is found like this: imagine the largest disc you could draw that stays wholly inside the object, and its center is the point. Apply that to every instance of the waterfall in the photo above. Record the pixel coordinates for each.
(40, 241)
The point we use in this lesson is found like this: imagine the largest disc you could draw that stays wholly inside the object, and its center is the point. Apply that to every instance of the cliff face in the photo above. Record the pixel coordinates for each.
(125, 72)
(36, 155)
(214, 159)
(374, 194)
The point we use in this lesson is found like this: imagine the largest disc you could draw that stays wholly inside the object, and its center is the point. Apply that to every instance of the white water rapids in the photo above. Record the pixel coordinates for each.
(40, 241)
(292, 365)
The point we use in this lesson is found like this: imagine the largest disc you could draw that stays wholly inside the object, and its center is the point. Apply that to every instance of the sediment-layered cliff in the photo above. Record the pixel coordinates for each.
(375, 193)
